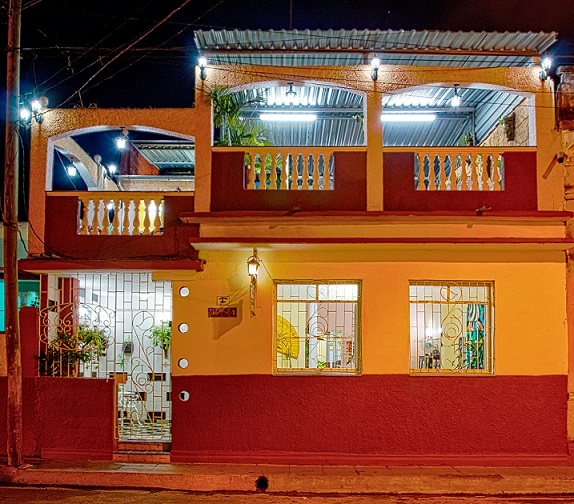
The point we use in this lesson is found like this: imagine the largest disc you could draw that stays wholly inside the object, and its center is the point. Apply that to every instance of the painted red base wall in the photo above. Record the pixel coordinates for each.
(64, 418)
(370, 419)
(520, 191)
(228, 193)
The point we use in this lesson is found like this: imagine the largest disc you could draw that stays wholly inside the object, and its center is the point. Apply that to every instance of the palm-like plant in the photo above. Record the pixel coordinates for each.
(227, 115)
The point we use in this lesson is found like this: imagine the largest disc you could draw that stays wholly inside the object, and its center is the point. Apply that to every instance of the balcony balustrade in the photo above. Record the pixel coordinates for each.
(289, 168)
(459, 169)
(120, 213)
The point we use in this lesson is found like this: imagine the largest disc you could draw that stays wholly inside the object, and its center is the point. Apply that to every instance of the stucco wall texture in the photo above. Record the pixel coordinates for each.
(530, 335)
(370, 419)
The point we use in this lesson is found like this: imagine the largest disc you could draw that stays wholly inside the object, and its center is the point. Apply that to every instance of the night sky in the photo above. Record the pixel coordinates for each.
(66, 42)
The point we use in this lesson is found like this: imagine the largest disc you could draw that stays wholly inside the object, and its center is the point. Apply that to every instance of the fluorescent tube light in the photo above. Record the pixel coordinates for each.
(408, 117)
(302, 117)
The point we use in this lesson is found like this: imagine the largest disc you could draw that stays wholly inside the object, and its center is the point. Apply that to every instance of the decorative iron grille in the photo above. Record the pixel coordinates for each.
(115, 326)
(317, 326)
(451, 326)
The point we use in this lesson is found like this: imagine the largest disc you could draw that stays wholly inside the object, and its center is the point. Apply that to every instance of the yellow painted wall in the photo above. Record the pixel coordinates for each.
(530, 312)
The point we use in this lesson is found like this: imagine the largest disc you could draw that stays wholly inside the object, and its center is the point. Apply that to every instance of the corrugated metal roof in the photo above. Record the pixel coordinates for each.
(171, 155)
(338, 110)
(351, 47)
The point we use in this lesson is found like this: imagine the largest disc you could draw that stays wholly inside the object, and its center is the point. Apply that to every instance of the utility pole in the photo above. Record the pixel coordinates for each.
(11, 164)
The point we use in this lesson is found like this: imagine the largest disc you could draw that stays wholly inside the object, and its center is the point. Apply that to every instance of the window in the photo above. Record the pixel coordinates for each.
(451, 326)
(317, 326)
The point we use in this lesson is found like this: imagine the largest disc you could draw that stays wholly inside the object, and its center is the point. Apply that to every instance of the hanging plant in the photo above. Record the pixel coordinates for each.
(161, 336)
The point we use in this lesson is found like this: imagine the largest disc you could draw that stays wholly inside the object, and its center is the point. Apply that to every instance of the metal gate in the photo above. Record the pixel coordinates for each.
(115, 326)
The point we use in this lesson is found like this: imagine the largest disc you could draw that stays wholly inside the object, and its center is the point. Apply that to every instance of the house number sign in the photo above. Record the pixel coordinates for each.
(222, 311)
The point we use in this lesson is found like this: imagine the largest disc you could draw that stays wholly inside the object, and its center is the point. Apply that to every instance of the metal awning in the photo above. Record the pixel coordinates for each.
(353, 47)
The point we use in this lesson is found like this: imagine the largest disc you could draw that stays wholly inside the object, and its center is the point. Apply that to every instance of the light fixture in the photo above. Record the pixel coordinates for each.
(34, 111)
(290, 95)
(546, 65)
(71, 170)
(112, 169)
(288, 117)
(253, 263)
(455, 100)
(408, 117)
(122, 140)
(375, 64)
(202, 63)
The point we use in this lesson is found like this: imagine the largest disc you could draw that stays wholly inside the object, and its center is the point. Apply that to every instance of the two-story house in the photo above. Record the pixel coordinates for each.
(351, 250)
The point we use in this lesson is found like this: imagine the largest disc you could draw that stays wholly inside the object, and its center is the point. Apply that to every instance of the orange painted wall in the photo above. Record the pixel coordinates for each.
(530, 309)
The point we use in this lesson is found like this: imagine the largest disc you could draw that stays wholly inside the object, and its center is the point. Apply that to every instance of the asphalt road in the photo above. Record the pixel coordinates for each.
(24, 495)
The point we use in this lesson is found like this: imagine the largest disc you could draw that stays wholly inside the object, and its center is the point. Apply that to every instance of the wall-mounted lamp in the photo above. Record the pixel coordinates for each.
(546, 65)
(112, 169)
(455, 100)
(122, 140)
(253, 263)
(35, 110)
(375, 64)
(202, 63)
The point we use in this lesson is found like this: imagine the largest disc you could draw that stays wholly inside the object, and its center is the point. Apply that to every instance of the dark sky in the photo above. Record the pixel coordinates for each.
(66, 42)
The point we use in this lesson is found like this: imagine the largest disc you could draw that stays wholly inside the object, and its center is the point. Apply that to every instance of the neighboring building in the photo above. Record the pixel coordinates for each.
(410, 303)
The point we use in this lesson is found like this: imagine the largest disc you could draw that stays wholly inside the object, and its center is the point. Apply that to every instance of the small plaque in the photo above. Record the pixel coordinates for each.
(222, 300)
(222, 311)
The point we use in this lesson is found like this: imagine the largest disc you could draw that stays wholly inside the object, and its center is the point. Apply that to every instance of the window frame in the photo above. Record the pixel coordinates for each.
(319, 371)
(489, 328)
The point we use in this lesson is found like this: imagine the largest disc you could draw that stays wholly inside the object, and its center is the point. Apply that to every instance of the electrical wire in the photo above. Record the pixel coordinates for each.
(125, 49)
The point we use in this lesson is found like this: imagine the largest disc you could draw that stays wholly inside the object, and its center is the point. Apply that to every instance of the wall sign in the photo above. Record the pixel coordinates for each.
(222, 311)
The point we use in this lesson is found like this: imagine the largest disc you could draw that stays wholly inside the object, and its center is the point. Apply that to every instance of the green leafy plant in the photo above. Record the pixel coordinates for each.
(63, 354)
(161, 336)
(227, 115)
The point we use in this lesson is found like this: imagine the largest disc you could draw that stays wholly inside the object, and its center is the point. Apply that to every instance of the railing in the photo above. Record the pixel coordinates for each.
(290, 168)
(459, 169)
(124, 214)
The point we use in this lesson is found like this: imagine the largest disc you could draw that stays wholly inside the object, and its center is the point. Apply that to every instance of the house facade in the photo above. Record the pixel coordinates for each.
(326, 260)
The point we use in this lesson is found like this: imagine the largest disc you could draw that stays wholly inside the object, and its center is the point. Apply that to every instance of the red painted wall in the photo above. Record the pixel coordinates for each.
(66, 418)
(228, 193)
(62, 238)
(519, 177)
(370, 419)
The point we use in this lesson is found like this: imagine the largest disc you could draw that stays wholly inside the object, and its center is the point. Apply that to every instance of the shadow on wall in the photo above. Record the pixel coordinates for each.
(223, 325)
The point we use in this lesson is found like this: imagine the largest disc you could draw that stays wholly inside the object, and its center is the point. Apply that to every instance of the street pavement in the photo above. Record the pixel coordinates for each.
(25, 495)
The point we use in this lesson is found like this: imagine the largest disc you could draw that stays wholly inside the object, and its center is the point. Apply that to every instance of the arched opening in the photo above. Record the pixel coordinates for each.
(288, 114)
(112, 158)
(458, 115)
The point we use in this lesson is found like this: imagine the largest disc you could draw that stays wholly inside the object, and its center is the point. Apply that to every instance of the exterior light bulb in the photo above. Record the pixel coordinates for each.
(455, 100)
(202, 63)
(72, 170)
(36, 106)
(253, 264)
(546, 64)
(25, 114)
(121, 142)
(112, 168)
(375, 64)
(290, 95)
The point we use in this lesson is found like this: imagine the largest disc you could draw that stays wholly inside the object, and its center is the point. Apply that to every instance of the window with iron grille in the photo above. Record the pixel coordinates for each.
(317, 326)
(451, 326)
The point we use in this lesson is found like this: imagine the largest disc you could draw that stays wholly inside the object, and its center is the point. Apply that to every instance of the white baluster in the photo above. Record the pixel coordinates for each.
(131, 217)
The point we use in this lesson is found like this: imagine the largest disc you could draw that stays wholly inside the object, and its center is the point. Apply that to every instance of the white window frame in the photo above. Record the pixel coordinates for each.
(451, 327)
(326, 320)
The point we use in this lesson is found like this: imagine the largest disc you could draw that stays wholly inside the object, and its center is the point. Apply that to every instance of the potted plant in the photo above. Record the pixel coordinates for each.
(161, 336)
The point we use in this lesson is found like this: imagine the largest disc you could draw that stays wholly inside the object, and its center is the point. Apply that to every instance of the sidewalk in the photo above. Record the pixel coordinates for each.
(441, 480)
